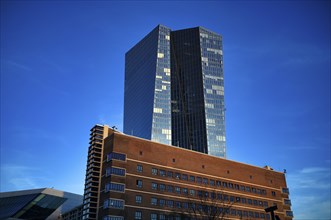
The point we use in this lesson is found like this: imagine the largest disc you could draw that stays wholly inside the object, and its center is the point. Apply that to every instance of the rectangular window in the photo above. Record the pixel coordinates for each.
(184, 177)
(170, 188)
(230, 185)
(108, 171)
(192, 178)
(212, 182)
(162, 172)
(114, 203)
(154, 186)
(139, 183)
(248, 189)
(139, 168)
(243, 200)
(205, 181)
(253, 190)
(153, 201)
(161, 202)
(113, 217)
(285, 190)
(177, 189)
(177, 176)
(185, 205)
(273, 193)
(116, 156)
(139, 199)
(137, 215)
(169, 174)
(154, 171)
(242, 188)
(287, 202)
(177, 204)
(199, 180)
(289, 213)
(185, 191)
(213, 195)
(170, 203)
(192, 192)
(106, 204)
(162, 187)
(115, 171)
(162, 217)
(200, 193)
(218, 183)
(250, 201)
(118, 187)
(153, 216)
(225, 184)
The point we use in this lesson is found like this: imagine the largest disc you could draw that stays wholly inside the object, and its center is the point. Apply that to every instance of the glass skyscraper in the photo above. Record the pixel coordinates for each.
(174, 89)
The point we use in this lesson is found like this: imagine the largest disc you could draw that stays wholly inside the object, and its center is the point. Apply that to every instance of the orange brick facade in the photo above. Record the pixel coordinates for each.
(141, 179)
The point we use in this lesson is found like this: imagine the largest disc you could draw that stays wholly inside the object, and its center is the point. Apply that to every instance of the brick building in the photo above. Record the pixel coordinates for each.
(141, 179)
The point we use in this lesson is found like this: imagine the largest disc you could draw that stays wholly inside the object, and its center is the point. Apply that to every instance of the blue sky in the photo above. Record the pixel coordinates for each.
(62, 71)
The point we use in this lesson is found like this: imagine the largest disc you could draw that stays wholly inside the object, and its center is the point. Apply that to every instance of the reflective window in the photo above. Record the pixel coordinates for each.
(116, 156)
(138, 199)
(114, 203)
(137, 215)
(139, 168)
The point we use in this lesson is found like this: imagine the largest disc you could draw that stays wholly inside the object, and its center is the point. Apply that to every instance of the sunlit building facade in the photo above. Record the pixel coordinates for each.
(142, 179)
(174, 89)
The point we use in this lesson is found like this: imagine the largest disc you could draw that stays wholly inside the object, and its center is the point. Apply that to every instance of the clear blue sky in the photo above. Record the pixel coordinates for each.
(62, 71)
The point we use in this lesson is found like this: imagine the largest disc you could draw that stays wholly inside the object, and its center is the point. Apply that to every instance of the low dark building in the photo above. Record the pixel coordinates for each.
(37, 204)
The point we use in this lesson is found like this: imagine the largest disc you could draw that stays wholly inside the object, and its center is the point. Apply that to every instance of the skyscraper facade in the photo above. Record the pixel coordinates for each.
(147, 94)
(174, 89)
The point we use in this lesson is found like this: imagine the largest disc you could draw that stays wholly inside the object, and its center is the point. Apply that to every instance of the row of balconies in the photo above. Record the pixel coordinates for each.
(94, 166)
(94, 153)
(92, 185)
(96, 135)
(97, 128)
(95, 141)
(94, 162)
(93, 174)
(94, 159)
(91, 189)
(96, 180)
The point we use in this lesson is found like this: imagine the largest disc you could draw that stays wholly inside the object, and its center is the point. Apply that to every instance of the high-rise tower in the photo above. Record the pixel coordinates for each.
(174, 89)
(147, 94)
